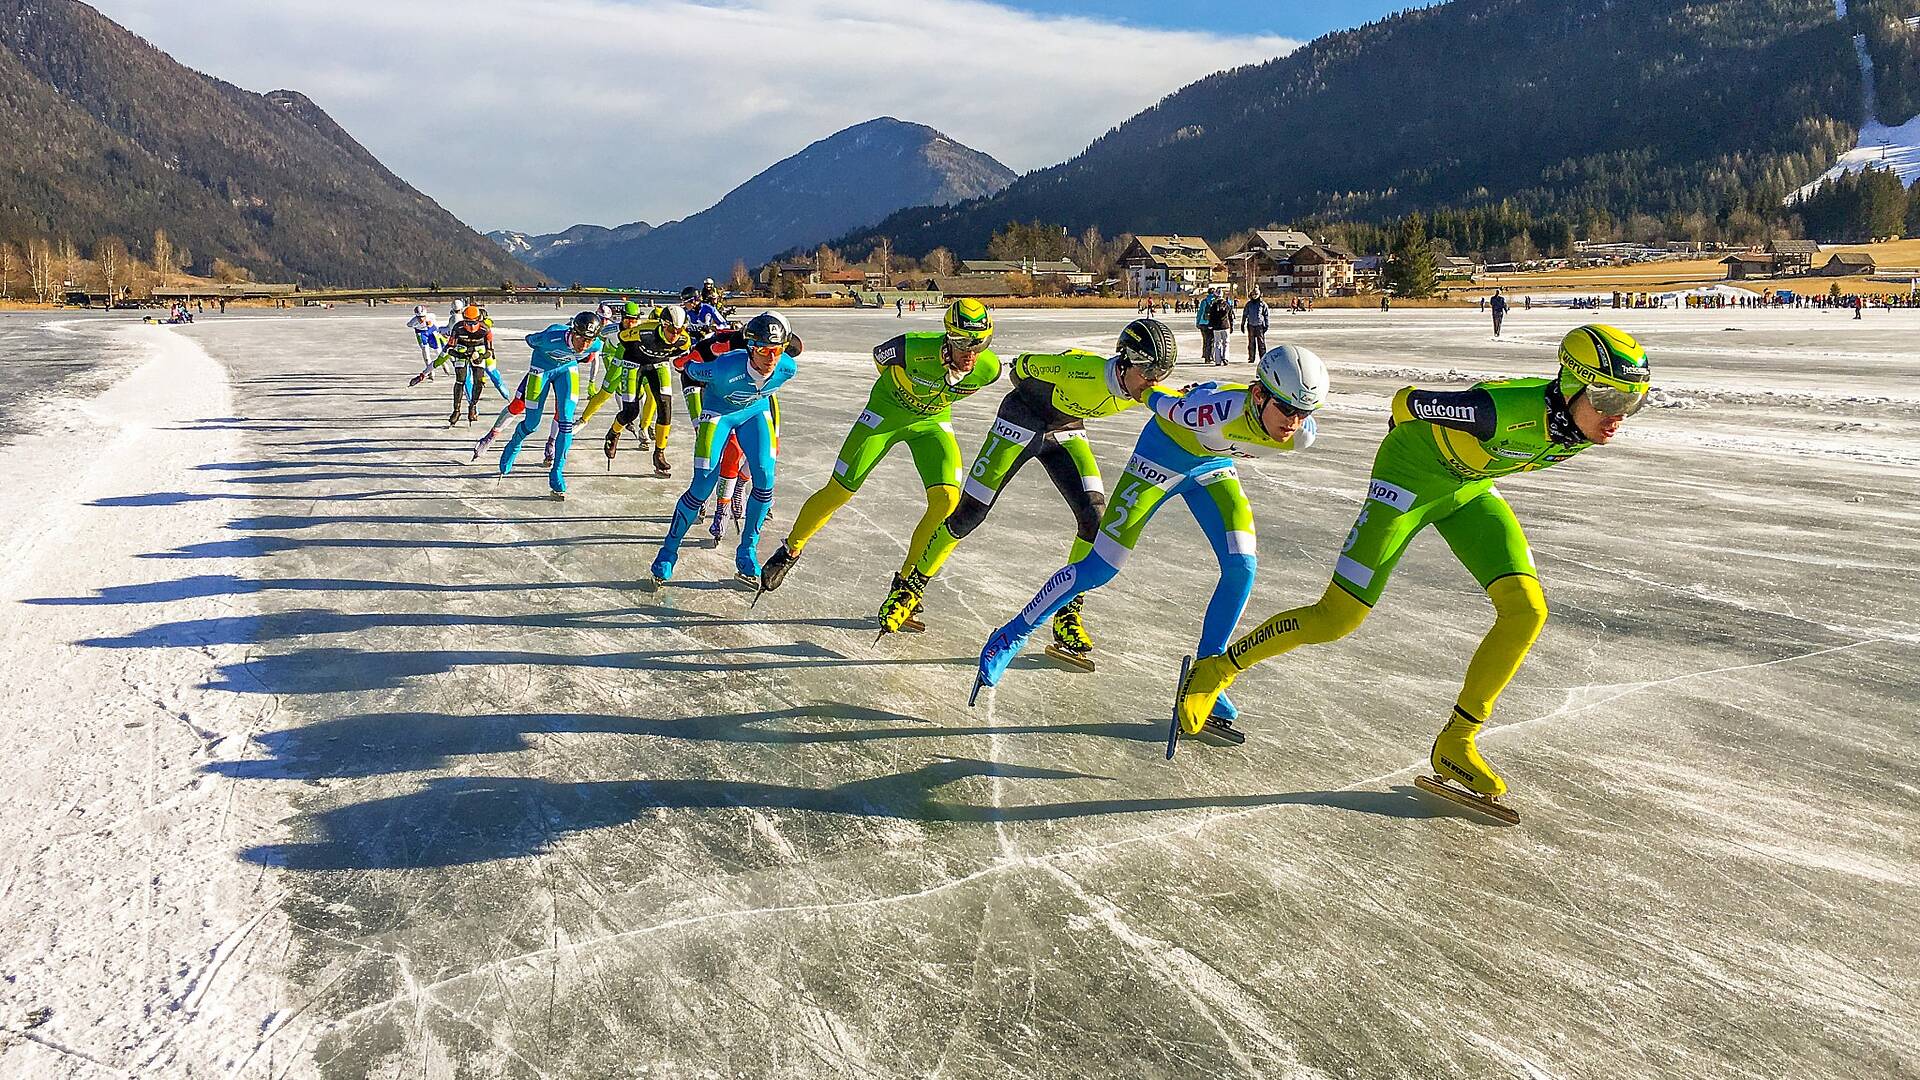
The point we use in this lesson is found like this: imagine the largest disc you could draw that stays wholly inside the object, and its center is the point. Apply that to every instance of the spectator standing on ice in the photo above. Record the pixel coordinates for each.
(1219, 324)
(1200, 309)
(1499, 310)
(1254, 321)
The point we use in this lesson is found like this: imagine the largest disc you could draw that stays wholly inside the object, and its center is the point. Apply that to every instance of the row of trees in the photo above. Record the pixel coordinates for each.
(1861, 207)
(45, 270)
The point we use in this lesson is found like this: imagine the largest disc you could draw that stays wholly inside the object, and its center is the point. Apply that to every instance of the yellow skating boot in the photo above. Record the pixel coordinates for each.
(901, 610)
(1203, 684)
(1461, 774)
(1072, 645)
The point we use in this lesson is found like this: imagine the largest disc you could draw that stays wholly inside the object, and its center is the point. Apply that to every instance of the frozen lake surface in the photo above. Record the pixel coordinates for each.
(336, 755)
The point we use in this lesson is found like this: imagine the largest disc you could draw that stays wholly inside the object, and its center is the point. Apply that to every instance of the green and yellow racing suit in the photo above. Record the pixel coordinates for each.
(1437, 466)
(1044, 416)
(912, 403)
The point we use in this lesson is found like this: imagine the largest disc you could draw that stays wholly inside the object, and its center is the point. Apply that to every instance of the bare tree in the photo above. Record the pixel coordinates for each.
(882, 257)
(939, 262)
(111, 261)
(827, 260)
(40, 268)
(69, 262)
(741, 280)
(163, 265)
(9, 266)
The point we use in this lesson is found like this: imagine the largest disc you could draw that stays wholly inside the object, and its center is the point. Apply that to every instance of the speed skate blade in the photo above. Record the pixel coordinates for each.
(745, 578)
(1173, 725)
(1077, 661)
(1459, 796)
(913, 626)
(1223, 729)
(979, 684)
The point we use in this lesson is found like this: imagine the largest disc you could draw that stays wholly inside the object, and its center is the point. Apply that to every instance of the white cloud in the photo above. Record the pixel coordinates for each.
(535, 116)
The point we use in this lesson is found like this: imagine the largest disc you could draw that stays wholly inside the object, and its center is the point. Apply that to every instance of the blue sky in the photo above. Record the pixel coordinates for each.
(1303, 19)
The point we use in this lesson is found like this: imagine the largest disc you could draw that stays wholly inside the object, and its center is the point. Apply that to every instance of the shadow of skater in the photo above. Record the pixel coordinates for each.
(336, 670)
(378, 744)
(456, 821)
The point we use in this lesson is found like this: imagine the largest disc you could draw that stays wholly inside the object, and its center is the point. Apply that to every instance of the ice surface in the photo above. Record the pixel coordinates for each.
(545, 823)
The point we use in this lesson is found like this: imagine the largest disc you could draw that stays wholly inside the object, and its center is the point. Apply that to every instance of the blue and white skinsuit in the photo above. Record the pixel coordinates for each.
(1188, 449)
(555, 373)
(738, 402)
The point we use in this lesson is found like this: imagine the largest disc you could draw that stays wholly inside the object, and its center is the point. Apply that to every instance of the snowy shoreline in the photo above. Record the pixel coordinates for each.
(135, 941)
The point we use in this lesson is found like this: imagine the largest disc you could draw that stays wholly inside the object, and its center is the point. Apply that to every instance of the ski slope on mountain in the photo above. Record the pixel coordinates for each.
(1881, 146)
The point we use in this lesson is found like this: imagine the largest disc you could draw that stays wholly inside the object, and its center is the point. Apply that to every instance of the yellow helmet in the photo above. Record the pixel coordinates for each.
(1610, 364)
(969, 324)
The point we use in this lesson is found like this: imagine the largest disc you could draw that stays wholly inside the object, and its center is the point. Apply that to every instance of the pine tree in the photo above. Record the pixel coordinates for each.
(1410, 270)
(1913, 211)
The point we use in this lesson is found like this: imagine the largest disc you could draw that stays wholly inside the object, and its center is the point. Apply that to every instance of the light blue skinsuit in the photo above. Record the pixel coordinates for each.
(554, 372)
(737, 403)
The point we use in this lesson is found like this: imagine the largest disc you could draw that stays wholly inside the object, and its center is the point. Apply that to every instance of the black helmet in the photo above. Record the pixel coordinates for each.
(689, 293)
(766, 330)
(587, 323)
(1148, 345)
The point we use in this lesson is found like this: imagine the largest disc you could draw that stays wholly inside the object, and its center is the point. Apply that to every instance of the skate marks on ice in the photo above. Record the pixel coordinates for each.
(534, 843)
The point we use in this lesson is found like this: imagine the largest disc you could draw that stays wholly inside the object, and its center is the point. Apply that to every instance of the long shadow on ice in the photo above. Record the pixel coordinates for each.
(308, 622)
(456, 821)
(377, 744)
(205, 585)
(263, 546)
(338, 670)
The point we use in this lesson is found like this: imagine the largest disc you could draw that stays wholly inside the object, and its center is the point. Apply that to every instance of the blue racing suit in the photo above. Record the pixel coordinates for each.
(555, 373)
(1187, 450)
(738, 402)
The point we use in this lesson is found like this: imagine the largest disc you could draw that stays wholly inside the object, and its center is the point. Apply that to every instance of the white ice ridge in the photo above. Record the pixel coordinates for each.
(1577, 702)
(1883, 147)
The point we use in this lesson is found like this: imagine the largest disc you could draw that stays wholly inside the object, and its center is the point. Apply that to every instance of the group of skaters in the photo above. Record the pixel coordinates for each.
(1437, 466)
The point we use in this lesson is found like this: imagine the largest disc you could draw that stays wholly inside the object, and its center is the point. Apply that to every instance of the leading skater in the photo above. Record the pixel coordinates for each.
(1443, 451)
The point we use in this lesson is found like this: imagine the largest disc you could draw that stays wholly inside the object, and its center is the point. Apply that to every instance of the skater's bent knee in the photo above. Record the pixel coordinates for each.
(1335, 615)
(943, 500)
(967, 517)
(1519, 603)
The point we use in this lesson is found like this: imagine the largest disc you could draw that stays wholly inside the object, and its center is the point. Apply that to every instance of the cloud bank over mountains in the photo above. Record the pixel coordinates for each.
(538, 116)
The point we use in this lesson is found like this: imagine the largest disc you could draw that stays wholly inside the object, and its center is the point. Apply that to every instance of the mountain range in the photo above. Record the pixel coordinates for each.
(1532, 106)
(848, 180)
(537, 247)
(114, 138)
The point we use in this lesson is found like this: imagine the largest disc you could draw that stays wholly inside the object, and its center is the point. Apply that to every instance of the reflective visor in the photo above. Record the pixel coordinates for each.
(1608, 401)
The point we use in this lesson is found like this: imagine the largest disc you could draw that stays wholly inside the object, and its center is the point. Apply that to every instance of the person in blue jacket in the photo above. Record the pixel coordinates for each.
(739, 401)
(557, 353)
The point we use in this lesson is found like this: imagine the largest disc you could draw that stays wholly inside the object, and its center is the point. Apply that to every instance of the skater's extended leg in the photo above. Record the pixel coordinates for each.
(936, 457)
(537, 389)
(1013, 441)
(1142, 491)
(709, 437)
(756, 443)
(566, 391)
(1220, 506)
(1068, 459)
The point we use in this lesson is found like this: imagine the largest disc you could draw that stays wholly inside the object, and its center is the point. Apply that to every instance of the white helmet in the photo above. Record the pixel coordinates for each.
(673, 318)
(419, 310)
(1296, 376)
